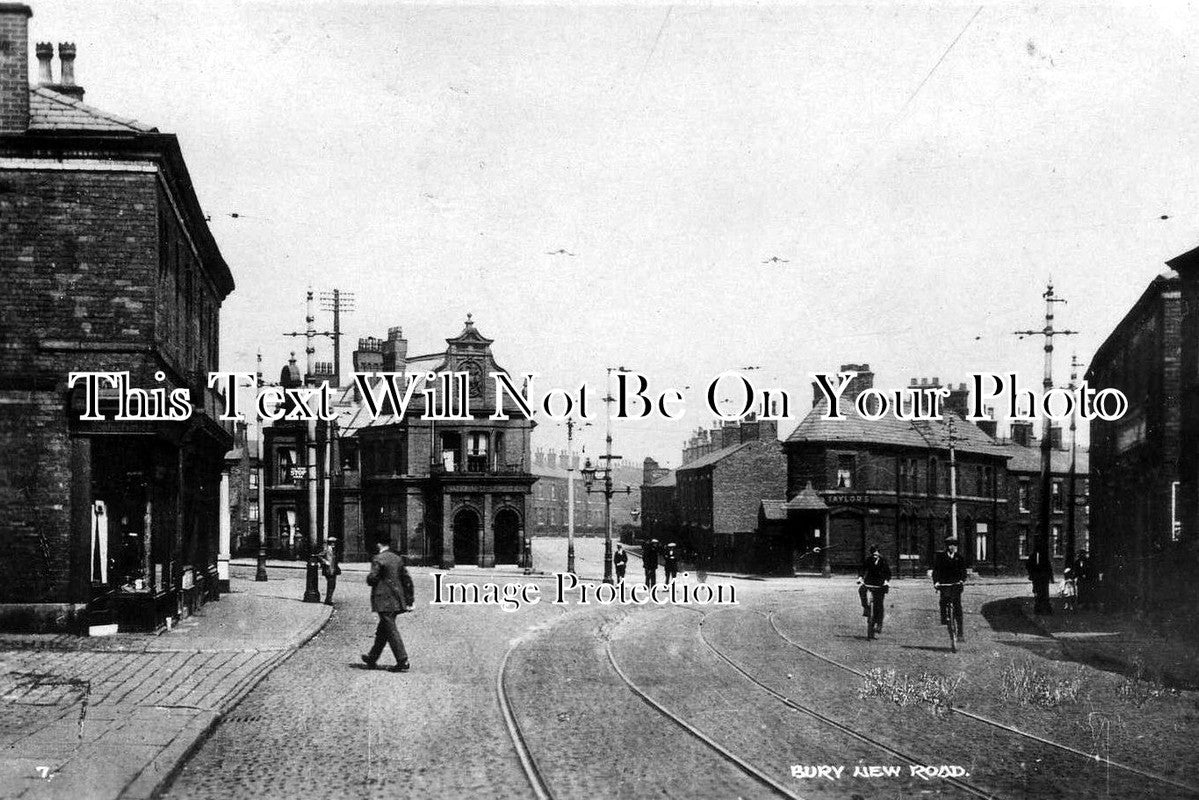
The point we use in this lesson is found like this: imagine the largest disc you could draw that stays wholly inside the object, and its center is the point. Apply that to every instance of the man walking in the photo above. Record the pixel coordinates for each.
(620, 560)
(330, 567)
(670, 564)
(875, 578)
(391, 594)
(649, 559)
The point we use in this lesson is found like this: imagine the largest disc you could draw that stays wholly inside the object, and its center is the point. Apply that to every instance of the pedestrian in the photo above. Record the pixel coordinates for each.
(1040, 572)
(670, 564)
(649, 559)
(330, 567)
(620, 560)
(875, 578)
(1083, 579)
(391, 594)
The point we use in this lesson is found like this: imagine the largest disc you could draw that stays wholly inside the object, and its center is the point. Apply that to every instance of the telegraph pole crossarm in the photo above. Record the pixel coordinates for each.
(1041, 564)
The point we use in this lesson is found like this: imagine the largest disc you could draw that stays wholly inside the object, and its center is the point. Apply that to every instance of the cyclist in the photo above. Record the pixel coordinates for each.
(877, 576)
(950, 568)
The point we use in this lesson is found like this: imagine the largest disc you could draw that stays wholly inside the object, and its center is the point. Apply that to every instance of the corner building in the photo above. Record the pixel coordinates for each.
(108, 265)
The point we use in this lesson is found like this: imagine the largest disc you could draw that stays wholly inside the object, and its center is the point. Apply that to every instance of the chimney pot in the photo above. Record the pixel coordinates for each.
(66, 57)
(45, 55)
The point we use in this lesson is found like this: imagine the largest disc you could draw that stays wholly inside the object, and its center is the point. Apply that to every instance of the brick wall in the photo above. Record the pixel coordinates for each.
(741, 480)
(14, 68)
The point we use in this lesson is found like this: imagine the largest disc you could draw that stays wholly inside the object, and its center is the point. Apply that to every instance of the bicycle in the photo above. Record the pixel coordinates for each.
(870, 612)
(947, 612)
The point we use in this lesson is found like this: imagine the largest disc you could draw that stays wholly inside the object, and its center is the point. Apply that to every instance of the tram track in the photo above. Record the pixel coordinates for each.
(1093, 758)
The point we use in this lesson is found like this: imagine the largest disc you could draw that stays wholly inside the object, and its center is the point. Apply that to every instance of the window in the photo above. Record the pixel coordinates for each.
(1058, 544)
(844, 472)
(252, 511)
(1023, 542)
(253, 479)
(1175, 522)
(980, 542)
(286, 460)
(1022, 496)
(476, 451)
(1056, 495)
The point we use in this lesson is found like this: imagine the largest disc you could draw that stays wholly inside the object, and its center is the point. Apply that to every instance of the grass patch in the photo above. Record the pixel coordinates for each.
(935, 691)
(1028, 684)
(1140, 688)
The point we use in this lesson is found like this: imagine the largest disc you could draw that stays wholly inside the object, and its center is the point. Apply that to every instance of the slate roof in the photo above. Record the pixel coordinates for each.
(1028, 459)
(807, 500)
(51, 111)
(713, 457)
(667, 480)
(931, 434)
(774, 509)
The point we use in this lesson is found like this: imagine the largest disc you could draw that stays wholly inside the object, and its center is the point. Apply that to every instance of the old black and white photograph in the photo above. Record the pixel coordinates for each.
(639, 400)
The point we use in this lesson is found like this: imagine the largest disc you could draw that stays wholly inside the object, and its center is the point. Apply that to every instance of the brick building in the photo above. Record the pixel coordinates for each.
(445, 492)
(1142, 530)
(886, 482)
(659, 510)
(109, 265)
(1023, 494)
(550, 505)
(718, 494)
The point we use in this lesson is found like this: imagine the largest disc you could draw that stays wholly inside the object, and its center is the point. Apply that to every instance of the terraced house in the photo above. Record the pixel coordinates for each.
(108, 265)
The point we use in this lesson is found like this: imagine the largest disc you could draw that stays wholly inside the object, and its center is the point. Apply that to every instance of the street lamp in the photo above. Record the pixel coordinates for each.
(570, 495)
(590, 474)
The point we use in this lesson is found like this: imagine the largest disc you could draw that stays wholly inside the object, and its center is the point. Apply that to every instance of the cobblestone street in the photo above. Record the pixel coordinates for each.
(674, 702)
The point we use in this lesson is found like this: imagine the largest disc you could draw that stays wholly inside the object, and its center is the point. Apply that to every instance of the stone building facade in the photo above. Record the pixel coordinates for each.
(109, 265)
(444, 492)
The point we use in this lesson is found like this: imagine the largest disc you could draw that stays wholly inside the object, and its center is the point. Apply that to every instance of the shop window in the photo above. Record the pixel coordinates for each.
(285, 462)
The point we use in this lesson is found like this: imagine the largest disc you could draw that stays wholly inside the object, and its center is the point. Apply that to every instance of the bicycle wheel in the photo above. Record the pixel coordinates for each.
(953, 634)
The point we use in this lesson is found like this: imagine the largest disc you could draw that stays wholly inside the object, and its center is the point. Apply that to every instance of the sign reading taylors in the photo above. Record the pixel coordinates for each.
(835, 498)
(846, 498)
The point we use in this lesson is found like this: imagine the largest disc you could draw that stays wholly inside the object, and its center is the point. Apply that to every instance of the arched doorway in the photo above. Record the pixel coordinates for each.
(507, 537)
(466, 537)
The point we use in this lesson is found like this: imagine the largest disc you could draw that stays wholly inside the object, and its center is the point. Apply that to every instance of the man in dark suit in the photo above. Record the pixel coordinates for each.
(670, 563)
(391, 594)
(620, 560)
(649, 560)
(875, 577)
(950, 568)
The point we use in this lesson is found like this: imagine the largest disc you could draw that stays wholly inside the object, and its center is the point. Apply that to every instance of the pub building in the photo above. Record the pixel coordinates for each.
(109, 266)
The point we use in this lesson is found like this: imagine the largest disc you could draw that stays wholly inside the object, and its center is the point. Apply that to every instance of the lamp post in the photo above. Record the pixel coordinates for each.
(604, 474)
(570, 495)
(312, 589)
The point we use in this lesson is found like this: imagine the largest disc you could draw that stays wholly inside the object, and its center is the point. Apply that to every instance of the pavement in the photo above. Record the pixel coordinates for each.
(116, 716)
(1119, 642)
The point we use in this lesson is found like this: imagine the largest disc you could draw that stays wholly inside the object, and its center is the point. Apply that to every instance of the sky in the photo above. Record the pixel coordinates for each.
(678, 190)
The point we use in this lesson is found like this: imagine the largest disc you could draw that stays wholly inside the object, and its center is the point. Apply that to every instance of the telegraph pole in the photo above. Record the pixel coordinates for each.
(338, 302)
(1041, 566)
(953, 478)
(1071, 542)
(260, 572)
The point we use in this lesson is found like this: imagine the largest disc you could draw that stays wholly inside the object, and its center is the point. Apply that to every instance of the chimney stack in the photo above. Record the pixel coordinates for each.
(45, 54)
(958, 402)
(66, 75)
(14, 67)
(989, 426)
(1022, 433)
